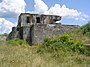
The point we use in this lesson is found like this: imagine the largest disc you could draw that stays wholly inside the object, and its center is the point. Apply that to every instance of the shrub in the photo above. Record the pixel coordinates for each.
(5, 34)
(63, 42)
(17, 41)
(78, 47)
(86, 29)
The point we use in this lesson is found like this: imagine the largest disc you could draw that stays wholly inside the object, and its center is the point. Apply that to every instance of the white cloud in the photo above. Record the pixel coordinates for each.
(67, 12)
(5, 26)
(12, 8)
(42, 8)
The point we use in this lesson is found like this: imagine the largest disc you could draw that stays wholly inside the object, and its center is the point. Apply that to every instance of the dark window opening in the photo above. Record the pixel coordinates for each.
(38, 19)
(28, 19)
(55, 19)
(17, 29)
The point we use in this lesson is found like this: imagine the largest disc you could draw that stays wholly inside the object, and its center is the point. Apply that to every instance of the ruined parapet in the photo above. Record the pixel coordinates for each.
(26, 19)
(14, 33)
(68, 28)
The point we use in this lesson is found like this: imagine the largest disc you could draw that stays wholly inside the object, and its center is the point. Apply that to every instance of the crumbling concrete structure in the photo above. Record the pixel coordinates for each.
(34, 27)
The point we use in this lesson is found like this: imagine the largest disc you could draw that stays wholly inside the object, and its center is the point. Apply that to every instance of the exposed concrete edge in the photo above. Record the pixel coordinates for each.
(87, 45)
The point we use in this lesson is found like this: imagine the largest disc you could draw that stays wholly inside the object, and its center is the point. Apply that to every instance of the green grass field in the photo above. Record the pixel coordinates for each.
(27, 56)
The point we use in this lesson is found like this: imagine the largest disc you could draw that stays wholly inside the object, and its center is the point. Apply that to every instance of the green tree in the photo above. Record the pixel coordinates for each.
(86, 29)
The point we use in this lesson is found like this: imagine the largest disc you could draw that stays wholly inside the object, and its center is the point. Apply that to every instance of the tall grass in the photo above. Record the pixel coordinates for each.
(13, 55)
(78, 36)
(82, 34)
(18, 56)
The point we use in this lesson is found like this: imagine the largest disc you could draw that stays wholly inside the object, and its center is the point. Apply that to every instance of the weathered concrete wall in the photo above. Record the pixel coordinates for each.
(68, 28)
(36, 33)
(40, 31)
(26, 33)
(43, 30)
(14, 33)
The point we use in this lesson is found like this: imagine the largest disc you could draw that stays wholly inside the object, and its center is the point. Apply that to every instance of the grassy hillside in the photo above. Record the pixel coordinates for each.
(20, 56)
(17, 53)
(82, 34)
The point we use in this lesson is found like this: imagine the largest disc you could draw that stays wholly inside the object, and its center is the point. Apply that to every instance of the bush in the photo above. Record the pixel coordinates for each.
(86, 29)
(63, 42)
(17, 41)
(78, 47)
(5, 34)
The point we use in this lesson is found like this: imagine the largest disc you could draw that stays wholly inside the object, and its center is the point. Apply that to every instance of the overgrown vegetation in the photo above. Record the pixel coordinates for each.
(82, 34)
(63, 42)
(18, 56)
(66, 50)
(86, 29)
(5, 34)
(17, 42)
(63, 46)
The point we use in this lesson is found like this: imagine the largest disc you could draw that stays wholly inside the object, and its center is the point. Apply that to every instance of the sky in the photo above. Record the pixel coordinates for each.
(73, 12)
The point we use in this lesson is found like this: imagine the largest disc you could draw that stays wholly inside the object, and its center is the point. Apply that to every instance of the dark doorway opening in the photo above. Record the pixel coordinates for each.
(28, 19)
(18, 29)
(38, 19)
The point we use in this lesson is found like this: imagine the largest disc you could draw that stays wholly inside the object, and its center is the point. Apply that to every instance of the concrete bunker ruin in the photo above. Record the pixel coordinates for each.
(34, 27)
